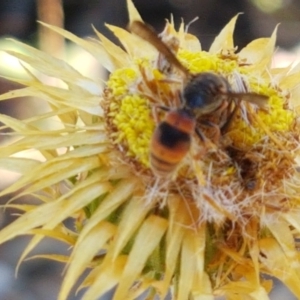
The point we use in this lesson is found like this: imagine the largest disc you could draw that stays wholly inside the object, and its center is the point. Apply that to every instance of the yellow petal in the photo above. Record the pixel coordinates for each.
(47, 175)
(144, 285)
(118, 58)
(224, 41)
(279, 265)
(60, 96)
(83, 253)
(133, 12)
(37, 118)
(55, 257)
(93, 48)
(259, 294)
(252, 241)
(46, 63)
(260, 51)
(17, 164)
(191, 43)
(134, 45)
(206, 289)
(66, 205)
(293, 218)
(176, 230)
(52, 141)
(128, 225)
(120, 193)
(290, 81)
(187, 40)
(22, 207)
(192, 263)
(245, 291)
(104, 278)
(30, 220)
(148, 238)
(252, 286)
(55, 234)
(15, 124)
(280, 229)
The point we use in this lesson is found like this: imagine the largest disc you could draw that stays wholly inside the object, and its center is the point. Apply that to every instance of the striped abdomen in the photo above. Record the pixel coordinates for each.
(171, 142)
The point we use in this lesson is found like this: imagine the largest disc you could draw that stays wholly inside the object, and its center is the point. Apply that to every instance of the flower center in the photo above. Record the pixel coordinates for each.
(133, 92)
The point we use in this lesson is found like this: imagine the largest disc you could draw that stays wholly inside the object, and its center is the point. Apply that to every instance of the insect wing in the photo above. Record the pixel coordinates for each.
(148, 34)
(260, 100)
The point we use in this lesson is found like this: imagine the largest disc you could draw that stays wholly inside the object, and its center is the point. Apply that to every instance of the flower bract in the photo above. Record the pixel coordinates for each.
(224, 219)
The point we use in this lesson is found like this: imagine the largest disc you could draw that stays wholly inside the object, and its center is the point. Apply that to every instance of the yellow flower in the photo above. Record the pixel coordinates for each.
(228, 214)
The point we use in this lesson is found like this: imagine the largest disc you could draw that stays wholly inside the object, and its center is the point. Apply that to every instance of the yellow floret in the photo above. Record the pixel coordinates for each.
(202, 61)
(133, 119)
(131, 113)
(120, 80)
(276, 119)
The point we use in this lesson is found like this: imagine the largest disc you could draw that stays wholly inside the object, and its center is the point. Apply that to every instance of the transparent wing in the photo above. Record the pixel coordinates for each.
(148, 34)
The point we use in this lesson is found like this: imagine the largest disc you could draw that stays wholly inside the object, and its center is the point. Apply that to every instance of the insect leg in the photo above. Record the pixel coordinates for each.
(229, 120)
(155, 113)
(217, 135)
(200, 135)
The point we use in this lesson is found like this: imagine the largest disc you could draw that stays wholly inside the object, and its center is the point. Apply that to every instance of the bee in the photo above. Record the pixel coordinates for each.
(171, 141)
(204, 96)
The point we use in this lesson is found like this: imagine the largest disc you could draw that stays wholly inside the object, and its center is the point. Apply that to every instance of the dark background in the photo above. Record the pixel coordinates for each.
(41, 279)
(18, 17)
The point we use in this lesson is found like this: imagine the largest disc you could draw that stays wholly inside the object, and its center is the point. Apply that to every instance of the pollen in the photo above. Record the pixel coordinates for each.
(130, 117)
(120, 80)
(134, 92)
(227, 216)
(202, 61)
(277, 118)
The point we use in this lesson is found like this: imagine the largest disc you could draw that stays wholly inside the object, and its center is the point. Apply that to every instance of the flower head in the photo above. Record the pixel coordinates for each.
(226, 215)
